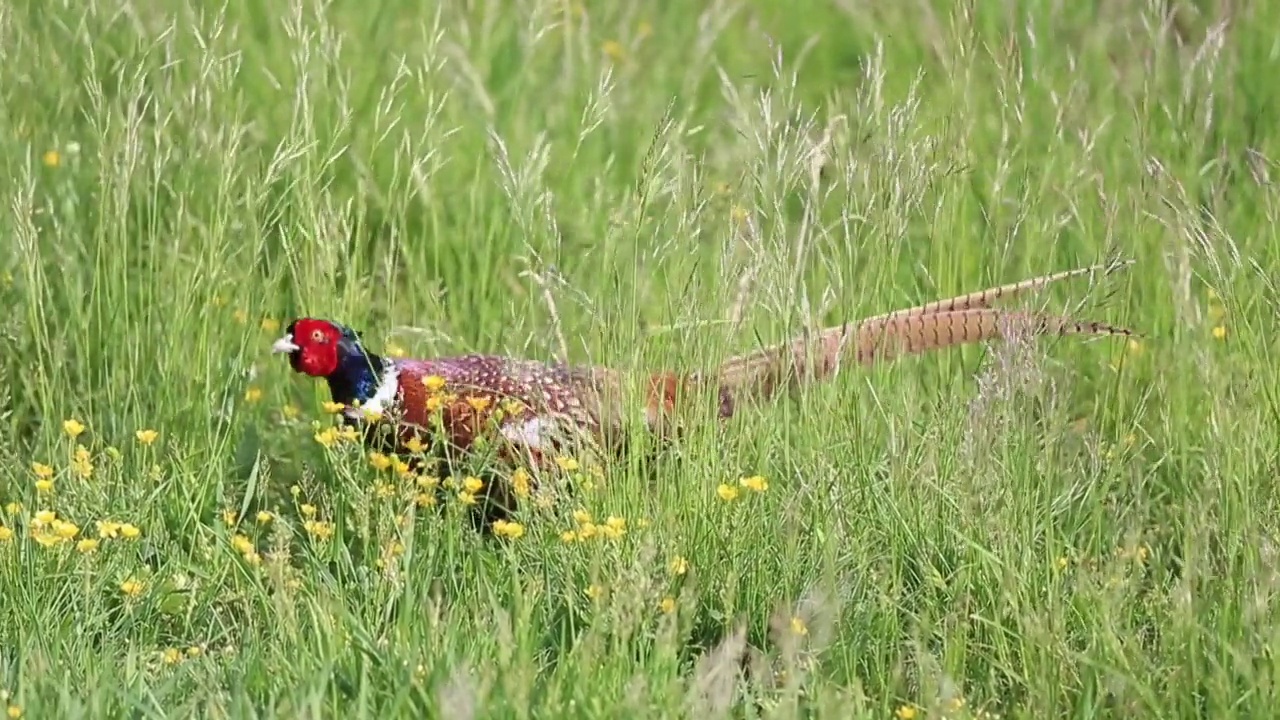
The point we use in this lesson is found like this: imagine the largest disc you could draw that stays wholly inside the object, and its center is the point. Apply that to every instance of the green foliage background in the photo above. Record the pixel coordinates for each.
(1067, 530)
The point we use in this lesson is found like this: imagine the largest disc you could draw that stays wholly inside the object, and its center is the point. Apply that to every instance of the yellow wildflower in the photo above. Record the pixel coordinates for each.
(905, 712)
(13, 712)
(5, 534)
(131, 587)
(414, 445)
(668, 605)
(678, 565)
(379, 461)
(520, 482)
(44, 486)
(433, 383)
(473, 484)
(582, 517)
(307, 510)
(727, 492)
(290, 411)
(594, 591)
(466, 498)
(512, 530)
(64, 529)
(72, 427)
(568, 536)
(478, 403)
(347, 433)
(229, 516)
(399, 467)
(81, 464)
(327, 437)
(264, 517)
(321, 530)
(616, 523)
(1220, 332)
(87, 545)
(425, 500)
(146, 437)
(613, 50)
(172, 656)
(253, 395)
(426, 482)
(44, 517)
(13, 508)
(587, 531)
(241, 544)
(333, 407)
(42, 471)
(512, 407)
(798, 627)
(755, 483)
(567, 464)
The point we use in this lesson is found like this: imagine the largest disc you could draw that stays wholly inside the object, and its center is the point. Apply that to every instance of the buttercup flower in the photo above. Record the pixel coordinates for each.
(798, 627)
(72, 427)
(132, 587)
(511, 530)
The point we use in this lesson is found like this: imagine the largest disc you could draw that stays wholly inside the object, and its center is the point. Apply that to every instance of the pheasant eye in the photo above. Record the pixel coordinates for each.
(317, 336)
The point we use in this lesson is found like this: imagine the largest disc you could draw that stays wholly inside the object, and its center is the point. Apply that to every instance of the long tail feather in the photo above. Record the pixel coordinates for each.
(961, 320)
(985, 298)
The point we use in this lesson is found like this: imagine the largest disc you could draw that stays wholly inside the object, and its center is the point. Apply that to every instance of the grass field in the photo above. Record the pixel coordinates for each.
(1064, 529)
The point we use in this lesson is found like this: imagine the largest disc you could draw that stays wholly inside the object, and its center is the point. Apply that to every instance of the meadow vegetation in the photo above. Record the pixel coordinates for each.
(1027, 530)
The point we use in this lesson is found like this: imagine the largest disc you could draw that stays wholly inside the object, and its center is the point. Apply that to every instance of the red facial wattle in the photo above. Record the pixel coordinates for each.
(312, 346)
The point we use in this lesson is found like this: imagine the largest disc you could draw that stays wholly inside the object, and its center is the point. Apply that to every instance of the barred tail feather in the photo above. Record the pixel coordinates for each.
(960, 320)
(985, 298)
(764, 374)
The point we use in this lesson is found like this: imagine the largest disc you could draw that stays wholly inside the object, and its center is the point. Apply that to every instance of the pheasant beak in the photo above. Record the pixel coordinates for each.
(285, 345)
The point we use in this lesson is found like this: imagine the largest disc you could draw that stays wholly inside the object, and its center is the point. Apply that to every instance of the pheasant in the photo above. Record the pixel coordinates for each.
(536, 411)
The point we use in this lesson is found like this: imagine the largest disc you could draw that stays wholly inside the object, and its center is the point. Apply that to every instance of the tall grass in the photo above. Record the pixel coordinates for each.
(1024, 531)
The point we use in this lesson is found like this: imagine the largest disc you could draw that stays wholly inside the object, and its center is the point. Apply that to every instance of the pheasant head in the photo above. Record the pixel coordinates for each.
(326, 349)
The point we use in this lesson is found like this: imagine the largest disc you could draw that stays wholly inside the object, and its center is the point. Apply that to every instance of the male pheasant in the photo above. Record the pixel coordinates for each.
(535, 411)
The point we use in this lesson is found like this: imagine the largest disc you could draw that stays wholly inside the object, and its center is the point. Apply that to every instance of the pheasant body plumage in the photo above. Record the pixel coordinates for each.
(537, 410)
